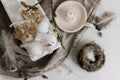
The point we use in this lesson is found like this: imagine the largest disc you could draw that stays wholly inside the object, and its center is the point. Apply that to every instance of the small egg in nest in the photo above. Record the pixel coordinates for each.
(43, 27)
(35, 50)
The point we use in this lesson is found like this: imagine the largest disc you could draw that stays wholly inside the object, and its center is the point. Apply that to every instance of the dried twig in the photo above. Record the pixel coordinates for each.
(53, 20)
(33, 7)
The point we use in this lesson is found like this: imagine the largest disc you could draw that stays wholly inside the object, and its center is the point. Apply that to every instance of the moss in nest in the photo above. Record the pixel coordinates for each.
(25, 31)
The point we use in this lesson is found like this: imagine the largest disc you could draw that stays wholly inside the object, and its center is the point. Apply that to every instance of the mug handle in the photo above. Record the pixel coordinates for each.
(89, 25)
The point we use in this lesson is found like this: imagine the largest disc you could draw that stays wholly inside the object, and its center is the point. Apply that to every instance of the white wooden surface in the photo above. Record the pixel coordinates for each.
(111, 45)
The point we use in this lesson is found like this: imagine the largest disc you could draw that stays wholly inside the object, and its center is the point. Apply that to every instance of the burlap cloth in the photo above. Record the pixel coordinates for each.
(24, 64)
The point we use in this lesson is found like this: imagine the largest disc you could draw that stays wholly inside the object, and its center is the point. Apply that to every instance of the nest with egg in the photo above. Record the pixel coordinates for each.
(94, 63)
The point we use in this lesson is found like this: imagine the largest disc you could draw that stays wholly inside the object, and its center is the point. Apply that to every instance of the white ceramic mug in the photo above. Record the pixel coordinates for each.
(71, 16)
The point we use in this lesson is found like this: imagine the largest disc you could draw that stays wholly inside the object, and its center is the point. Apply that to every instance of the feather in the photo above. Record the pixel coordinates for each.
(103, 20)
(10, 52)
